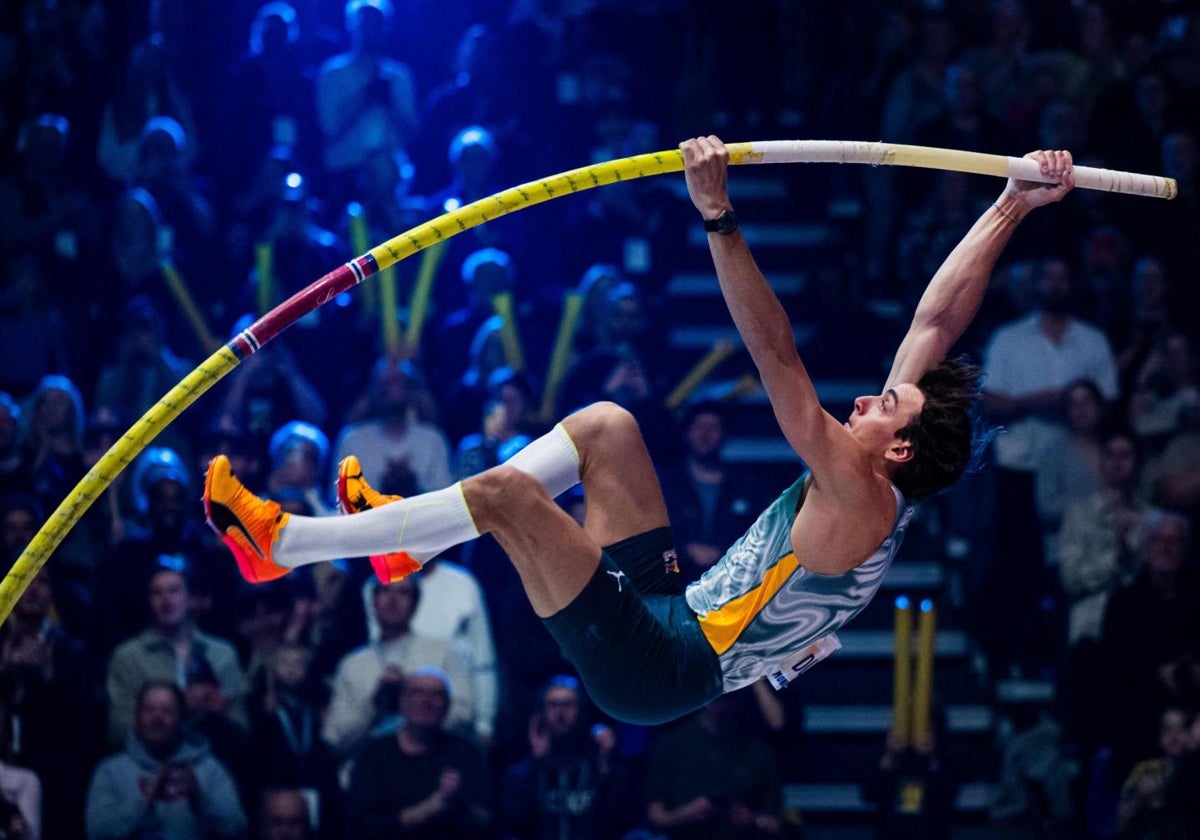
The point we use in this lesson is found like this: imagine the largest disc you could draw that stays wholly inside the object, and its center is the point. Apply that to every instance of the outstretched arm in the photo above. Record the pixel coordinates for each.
(956, 290)
(759, 317)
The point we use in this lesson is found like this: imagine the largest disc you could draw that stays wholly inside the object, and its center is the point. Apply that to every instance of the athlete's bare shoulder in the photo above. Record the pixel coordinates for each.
(833, 533)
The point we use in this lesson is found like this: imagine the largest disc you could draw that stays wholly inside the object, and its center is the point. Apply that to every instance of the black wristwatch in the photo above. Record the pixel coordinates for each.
(724, 224)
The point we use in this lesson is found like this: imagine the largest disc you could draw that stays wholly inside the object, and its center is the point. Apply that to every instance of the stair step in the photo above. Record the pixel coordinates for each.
(685, 338)
(1019, 691)
(866, 681)
(878, 644)
(972, 797)
(915, 574)
(767, 235)
(973, 719)
(758, 450)
(696, 284)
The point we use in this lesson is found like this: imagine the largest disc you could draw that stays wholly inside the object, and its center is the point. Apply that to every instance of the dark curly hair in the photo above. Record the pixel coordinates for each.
(943, 434)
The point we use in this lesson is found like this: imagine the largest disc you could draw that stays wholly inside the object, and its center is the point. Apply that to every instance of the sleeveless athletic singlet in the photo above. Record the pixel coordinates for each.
(757, 605)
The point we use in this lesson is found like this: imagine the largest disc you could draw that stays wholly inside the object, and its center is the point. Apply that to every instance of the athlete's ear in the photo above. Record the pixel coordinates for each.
(899, 452)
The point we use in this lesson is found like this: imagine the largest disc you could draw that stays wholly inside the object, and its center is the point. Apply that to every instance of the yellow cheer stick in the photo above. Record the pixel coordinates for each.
(418, 304)
(187, 304)
(922, 704)
(344, 277)
(264, 276)
(902, 674)
(719, 352)
(510, 337)
(560, 357)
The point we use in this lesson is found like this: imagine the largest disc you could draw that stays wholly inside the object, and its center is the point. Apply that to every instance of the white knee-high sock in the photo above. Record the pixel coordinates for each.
(424, 525)
(552, 459)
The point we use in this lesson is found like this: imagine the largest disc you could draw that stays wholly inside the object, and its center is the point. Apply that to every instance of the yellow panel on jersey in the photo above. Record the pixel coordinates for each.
(723, 627)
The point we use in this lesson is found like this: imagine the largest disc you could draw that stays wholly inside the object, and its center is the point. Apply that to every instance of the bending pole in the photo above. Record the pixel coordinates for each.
(253, 338)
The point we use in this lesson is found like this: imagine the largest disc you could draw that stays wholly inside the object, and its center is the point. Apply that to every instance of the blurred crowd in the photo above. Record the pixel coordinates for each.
(174, 169)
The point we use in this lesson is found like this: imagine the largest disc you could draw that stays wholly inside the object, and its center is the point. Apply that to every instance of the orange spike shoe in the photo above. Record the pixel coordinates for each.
(354, 496)
(246, 524)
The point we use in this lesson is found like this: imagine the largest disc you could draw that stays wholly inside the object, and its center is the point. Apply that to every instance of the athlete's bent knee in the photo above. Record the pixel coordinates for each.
(496, 493)
(603, 421)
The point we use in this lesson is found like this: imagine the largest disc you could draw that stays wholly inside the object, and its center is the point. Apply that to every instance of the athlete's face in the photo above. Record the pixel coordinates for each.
(876, 419)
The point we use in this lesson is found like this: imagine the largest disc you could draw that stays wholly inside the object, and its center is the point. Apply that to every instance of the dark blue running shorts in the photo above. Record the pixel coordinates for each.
(636, 643)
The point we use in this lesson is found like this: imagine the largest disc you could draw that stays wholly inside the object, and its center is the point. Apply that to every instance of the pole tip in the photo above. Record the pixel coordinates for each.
(926, 605)
(902, 602)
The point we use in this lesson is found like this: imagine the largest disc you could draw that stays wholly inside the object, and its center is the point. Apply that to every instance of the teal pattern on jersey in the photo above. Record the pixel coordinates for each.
(805, 607)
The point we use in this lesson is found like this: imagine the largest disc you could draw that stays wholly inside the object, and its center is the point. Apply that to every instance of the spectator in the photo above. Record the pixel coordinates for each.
(475, 95)
(149, 90)
(1003, 65)
(383, 186)
(1098, 548)
(1028, 365)
(709, 501)
(141, 243)
(19, 786)
(165, 781)
(32, 326)
(365, 685)
(300, 247)
(399, 455)
(455, 344)
(44, 209)
(275, 103)
(174, 651)
(268, 390)
(1142, 812)
(285, 715)
(365, 100)
(497, 441)
(422, 781)
(628, 368)
(1166, 396)
(52, 709)
(474, 156)
(572, 783)
(13, 477)
(1070, 469)
(299, 455)
(145, 368)
(452, 608)
(266, 619)
(166, 524)
(53, 445)
(1151, 638)
(1172, 477)
(712, 778)
(1101, 537)
(20, 517)
(284, 815)
(1149, 320)
(12, 821)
